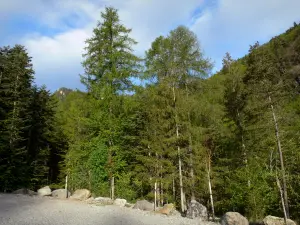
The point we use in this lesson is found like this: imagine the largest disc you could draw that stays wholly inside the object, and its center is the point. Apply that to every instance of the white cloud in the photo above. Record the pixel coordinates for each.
(232, 25)
(228, 25)
(59, 58)
(61, 54)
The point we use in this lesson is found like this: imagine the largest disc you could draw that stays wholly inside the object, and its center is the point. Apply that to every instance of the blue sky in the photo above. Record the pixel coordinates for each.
(54, 31)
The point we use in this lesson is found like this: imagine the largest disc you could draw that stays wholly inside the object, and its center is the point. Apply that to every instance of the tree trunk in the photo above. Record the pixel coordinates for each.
(190, 147)
(285, 195)
(243, 144)
(209, 187)
(282, 198)
(180, 181)
(155, 192)
(112, 187)
(174, 194)
(161, 194)
(192, 171)
(66, 186)
(179, 155)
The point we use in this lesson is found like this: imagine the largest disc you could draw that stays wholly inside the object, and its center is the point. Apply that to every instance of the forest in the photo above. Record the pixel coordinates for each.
(161, 123)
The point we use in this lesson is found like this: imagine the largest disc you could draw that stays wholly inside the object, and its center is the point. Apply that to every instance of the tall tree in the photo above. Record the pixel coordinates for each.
(109, 64)
(174, 61)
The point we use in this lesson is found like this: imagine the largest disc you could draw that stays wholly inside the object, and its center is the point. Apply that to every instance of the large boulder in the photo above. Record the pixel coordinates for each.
(196, 210)
(144, 205)
(233, 218)
(120, 202)
(81, 194)
(60, 193)
(45, 191)
(272, 220)
(104, 201)
(168, 209)
(24, 191)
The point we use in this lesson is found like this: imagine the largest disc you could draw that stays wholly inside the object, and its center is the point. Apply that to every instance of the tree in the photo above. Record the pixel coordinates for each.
(109, 64)
(175, 61)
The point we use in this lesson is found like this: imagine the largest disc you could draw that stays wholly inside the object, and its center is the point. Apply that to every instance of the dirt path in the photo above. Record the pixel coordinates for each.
(25, 210)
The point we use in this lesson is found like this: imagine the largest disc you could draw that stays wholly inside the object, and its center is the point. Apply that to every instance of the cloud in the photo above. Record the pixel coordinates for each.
(58, 57)
(232, 25)
(221, 25)
(57, 60)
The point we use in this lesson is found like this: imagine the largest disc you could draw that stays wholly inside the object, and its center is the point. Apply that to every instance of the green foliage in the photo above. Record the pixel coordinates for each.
(27, 125)
(219, 129)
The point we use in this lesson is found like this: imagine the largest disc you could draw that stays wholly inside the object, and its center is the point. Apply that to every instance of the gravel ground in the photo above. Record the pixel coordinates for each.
(26, 210)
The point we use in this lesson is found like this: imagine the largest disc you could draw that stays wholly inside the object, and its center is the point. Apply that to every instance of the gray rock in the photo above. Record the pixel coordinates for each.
(272, 220)
(60, 193)
(197, 210)
(175, 213)
(81, 194)
(129, 205)
(233, 218)
(25, 191)
(104, 200)
(45, 191)
(144, 205)
(120, 202)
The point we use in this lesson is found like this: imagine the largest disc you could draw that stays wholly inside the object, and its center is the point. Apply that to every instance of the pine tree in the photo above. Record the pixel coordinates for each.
(17, 78)
(174, 61)
(109, 64)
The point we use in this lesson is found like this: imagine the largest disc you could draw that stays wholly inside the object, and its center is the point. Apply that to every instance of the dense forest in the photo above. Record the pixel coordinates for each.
(229, 140)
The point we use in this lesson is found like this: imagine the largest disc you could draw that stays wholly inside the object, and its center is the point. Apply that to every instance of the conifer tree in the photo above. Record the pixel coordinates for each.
(174, 61)
(109, 64)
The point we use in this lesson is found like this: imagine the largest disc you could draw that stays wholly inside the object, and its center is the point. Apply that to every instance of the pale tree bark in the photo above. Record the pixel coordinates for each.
(190, 148)
(90, 185)
(112, 187)
(282, 198)
(243, 145)
(66, 186)
(285, 195)
(112, 178)
(161, 194)
(155, 192)
(179, 156)
(209, 183)
(161, 187)
(173, 187)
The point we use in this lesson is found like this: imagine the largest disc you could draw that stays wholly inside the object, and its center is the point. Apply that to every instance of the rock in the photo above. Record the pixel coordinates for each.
(167, 209)
(197, 210)
(144, 205)
(104, 200)
(25, 191)
(120, 202)
(272, 220)
(60, 193)
(81, 194)
(128, 205)
(175, 213)
(90, 200)
(233, 218)
(45, 191)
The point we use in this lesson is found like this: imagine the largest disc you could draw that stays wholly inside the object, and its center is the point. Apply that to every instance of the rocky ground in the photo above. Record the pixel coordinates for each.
(17, 209)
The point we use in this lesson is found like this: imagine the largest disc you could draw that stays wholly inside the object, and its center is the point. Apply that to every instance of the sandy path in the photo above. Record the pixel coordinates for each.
(25, 210)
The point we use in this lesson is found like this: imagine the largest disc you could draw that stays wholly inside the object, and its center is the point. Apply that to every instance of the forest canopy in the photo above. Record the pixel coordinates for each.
(228, 140)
